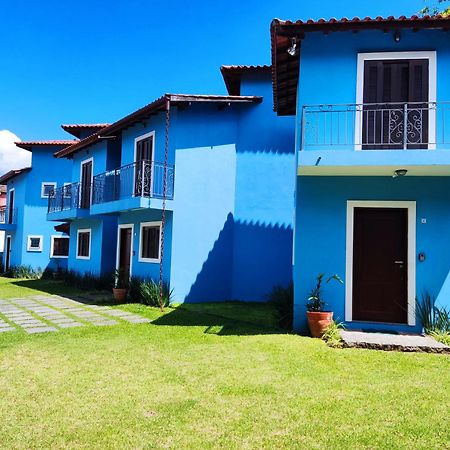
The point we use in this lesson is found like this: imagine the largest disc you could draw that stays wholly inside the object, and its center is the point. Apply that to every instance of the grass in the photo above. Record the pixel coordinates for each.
(199, 378)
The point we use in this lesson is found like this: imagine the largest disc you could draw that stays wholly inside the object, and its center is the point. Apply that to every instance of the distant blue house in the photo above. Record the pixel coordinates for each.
(198, 186)
(370, 99)
(30, 240)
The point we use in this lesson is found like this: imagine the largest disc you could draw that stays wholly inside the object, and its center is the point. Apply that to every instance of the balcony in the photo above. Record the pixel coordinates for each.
(8, 218)
(134, 186)
(375, 135)
(67, 202)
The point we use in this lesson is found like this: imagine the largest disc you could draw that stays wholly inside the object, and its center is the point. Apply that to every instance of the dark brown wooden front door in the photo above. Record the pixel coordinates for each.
(143, 171)
(125, 250)
(380, 250)
(10, 218)
(86, 185)
(8, 253)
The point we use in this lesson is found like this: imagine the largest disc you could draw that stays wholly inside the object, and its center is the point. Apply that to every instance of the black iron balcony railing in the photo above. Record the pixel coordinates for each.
(140, 179)
(69, 196)
(8, 215)
(376, 126)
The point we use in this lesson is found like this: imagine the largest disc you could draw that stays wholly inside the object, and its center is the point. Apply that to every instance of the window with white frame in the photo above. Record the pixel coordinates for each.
(150, 242)
(59, 247)
(34, 243)
(84, 244)
(46, 188)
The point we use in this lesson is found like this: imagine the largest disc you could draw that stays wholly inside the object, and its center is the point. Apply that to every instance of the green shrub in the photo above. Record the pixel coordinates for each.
(433, 319)
(282, 298)
(24, 272)
(332, 335)
(86, 281)
(150, 293)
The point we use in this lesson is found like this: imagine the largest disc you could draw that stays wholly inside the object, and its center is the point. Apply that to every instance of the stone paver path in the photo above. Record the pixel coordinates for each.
(386, 341)
(42, 313)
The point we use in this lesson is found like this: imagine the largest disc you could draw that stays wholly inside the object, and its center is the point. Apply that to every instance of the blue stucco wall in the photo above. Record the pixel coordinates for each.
(32, 209)
(148, 269)
(320, 244)
(328, 76)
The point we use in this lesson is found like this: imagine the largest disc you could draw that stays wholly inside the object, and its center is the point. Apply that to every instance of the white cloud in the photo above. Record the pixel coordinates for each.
(12, 157)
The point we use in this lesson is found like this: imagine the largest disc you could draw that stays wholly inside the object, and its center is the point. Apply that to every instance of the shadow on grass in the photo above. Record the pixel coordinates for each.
(54, 287)
(214, 324)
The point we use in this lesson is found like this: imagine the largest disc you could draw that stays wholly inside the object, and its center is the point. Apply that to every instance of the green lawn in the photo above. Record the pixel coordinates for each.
(199, 378)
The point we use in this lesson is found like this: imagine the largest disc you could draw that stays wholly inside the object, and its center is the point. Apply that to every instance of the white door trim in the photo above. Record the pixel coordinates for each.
(152, 159)
(432, 89)
(119, 227)
(8, 250)
(411, 207)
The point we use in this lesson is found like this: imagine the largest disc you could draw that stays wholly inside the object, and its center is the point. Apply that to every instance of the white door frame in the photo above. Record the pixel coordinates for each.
(411, 207)
(119, 227)
(432, 81)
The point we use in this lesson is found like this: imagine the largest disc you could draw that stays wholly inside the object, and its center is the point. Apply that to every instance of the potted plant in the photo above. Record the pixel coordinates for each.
(318, 319)
(121, 284)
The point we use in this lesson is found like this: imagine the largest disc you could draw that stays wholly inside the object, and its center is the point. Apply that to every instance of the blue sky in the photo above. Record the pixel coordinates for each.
(95, 61)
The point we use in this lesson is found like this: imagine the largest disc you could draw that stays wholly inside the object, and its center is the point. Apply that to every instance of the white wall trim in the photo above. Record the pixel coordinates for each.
(411, 207)
(52, 239)
(82, 163)
(41, 242)
(149, 224)
(120, 226)
(152, 158)
(84, 230)
(432, 89)
(47, 183)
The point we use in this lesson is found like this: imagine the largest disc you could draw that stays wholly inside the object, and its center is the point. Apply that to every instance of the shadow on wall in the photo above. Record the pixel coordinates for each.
(247, 260)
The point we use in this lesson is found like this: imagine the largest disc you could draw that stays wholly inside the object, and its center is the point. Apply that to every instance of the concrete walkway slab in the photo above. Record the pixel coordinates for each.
(44, 313)
(398, 342)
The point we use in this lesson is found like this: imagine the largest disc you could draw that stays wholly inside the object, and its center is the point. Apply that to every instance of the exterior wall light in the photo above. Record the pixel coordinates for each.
(400, 173)
(397, 36)
(292, 50)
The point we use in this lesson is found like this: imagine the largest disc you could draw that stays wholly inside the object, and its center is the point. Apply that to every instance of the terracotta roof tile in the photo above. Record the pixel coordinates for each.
(28, 145)
(13, 173)
(75, 129)
(232, 76)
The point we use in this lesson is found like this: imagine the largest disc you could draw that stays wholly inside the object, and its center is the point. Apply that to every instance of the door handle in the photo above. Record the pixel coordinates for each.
(399, 262)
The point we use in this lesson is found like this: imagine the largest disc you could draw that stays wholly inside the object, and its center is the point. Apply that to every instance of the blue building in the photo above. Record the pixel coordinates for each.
(370, 99)
(198, 186)
(30, 240)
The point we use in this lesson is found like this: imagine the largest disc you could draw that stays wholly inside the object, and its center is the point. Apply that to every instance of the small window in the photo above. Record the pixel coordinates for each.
(34, 243)
(47, 188)
(67, 190)
(84, 244)
(150, 241)
(59, 247)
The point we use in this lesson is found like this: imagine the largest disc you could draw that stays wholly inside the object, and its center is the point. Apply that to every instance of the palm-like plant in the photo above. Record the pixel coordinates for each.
(316, 303)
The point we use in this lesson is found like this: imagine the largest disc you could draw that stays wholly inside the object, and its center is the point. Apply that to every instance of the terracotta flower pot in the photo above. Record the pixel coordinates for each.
(120, 294)
(318, 322)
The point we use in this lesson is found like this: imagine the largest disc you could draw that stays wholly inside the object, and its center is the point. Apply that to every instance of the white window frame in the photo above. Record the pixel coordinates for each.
(47, 183)
(8, 237)
(64, 190)
(82, 163)
(136, 140)
(149, 224)
(52, 239)
(432, 88)
(41, 243)
(410, 206)
(84, 230)
(120, 226)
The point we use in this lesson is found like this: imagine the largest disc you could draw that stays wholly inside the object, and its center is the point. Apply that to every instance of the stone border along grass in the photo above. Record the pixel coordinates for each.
(42, 313)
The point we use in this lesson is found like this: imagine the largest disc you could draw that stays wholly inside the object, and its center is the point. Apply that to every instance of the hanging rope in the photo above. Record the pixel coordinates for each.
(163, 218)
